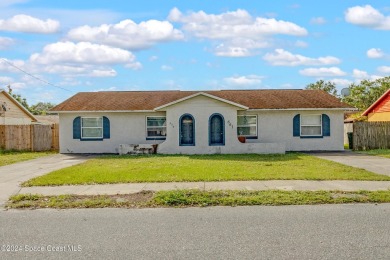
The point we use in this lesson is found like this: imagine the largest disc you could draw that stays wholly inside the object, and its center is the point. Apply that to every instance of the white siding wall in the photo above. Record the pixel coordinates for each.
(14, 115)
(125, 128)
(275, 131)
(201, 108)
(277, 126)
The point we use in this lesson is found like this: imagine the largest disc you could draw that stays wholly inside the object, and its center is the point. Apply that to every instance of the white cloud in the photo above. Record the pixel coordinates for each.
(127, 34)
(384, 69)
(105, 89)
(153, 58)
(102, 73)
(322, 72)
(5, 3)
(6, 80)
(166, 68)
(318, 20)
(230, 51)
(367, 16)
(244, 80)
(237, 33)
(341, 82)
(81, 53)
(284, 58)
(6, 67)
(69, 59)
(301, 44)
(172, 85)
(236, 24)
(29, 24)
(361, 75)
(6, 42)
(240, 47)
(134, 66)
(375, 53)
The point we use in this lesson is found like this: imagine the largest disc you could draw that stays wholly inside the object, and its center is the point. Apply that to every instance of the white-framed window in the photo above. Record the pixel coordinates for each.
(311, 125)
(91, 127)
(156, 127)
(247, 125)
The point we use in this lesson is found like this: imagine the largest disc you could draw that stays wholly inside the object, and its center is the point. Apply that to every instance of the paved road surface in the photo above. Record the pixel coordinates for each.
(286, 232)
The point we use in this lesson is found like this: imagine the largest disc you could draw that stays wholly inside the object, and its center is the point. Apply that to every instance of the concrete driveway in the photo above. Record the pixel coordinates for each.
(375, 164)
(12, 175)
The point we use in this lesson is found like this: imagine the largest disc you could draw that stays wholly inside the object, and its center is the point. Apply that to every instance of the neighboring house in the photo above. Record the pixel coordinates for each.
(47, 119)
(12, 112)
(202, 122)
(380, 110)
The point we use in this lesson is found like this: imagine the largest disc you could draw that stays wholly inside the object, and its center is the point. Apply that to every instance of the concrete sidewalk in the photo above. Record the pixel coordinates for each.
(375, 164)
(12, 175)
(112, 189)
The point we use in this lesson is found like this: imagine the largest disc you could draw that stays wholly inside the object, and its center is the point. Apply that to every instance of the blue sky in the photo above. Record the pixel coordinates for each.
(189, 45)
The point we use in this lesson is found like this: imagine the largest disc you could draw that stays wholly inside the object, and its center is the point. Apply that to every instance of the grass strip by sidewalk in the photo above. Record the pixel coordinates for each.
(377, 152)
(11, 156)
(186, 168)
(196, 198)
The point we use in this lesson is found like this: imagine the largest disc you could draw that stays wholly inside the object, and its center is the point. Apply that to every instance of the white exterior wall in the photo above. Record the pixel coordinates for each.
(275, 130)
(201, 108)
(125, 128)
(277, 126)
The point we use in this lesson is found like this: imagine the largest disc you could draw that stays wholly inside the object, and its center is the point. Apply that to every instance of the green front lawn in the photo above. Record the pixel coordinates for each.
(378, 152)
(196, 198)
(9, 157)
(170, 168)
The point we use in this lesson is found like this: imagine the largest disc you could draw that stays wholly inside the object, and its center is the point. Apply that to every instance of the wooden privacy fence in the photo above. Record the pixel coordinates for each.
(29, 137)
(371, 135)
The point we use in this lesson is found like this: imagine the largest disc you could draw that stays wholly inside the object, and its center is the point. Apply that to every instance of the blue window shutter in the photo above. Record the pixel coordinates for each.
(106, 128)
(77, 128)
(325, 125)
(297, 125)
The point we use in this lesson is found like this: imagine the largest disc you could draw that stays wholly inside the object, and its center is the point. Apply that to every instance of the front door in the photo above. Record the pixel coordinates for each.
(217, 131)
(187, 130)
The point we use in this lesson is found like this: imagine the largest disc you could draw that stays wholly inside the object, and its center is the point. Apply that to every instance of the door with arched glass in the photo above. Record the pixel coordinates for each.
(187, 130)
(216, 130)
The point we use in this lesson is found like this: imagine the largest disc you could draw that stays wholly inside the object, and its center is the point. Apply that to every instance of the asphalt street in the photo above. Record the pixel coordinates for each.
(359, 231)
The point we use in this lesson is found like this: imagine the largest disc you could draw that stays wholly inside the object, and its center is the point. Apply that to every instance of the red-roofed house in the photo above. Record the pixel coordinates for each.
(380, 109)
(202, 122)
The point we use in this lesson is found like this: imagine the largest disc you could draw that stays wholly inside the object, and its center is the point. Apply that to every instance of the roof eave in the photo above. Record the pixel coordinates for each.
(317, 108)
(102, 111)
(19, 105)
(203, 94)
(368, 110)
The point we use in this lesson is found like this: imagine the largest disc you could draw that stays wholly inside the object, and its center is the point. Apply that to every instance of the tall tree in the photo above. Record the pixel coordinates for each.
(19, 98)
(365, 93)
(41, 108)
(327, 86)
(38, 109)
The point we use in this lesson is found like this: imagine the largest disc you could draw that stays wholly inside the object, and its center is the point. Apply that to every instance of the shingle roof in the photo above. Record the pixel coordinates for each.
(149, 100)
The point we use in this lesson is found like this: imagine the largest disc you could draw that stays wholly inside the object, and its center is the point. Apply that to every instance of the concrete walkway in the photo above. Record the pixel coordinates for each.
(12, 175)
(375, 164)
(112, 189)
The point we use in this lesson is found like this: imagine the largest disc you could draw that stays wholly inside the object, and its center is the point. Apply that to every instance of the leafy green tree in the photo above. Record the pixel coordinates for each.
(38, 109)
(365, 93)
(19, 98)
(41, 108)
(326, 86)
